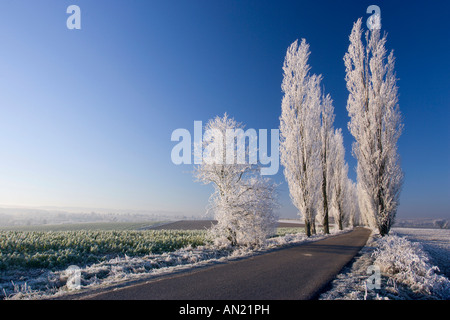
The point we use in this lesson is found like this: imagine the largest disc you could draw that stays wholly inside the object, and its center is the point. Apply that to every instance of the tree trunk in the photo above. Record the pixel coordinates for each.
(307, 228)
(383, 229)
(340, 221)
(232, 237)
(326, 228)
(340, 224)
(313, 227)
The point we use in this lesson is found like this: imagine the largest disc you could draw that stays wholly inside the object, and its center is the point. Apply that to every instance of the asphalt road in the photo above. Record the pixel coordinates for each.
(294, 273)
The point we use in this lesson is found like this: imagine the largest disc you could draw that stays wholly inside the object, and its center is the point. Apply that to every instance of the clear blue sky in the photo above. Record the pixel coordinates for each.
(86, 115)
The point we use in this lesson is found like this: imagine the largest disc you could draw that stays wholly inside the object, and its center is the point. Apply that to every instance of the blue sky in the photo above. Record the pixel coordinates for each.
(86, 115)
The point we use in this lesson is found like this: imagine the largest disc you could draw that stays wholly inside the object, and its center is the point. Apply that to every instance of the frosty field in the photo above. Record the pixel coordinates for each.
(33, 260)
(59, 249)
(436, 242)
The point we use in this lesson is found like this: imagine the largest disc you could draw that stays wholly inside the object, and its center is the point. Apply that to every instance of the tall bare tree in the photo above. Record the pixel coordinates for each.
(327, 159)
(300, 144)
(376, 125)
(339, 183)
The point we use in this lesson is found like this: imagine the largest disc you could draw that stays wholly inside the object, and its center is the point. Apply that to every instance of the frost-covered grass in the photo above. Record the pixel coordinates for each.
(53, 250)
(38, 283)
(36, 260)
(436, 242)
(407, 271)
(289, 230)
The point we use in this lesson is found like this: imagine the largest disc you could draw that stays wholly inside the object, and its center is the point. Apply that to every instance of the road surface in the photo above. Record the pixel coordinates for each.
(295, 273)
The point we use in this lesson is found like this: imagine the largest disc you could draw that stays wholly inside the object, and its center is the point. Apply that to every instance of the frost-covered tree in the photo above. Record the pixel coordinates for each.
(441, 223)
(353, 204)
(245, 213)
(375, 123)
(300, 144)
(327, 159)
(339, 182)
(243, 202)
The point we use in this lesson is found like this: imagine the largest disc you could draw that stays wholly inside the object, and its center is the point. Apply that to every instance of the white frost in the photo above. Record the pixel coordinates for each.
(407, 271)
(45, 284)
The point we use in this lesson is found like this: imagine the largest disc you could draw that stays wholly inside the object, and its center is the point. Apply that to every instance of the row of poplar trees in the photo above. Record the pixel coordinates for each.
(312, 150)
